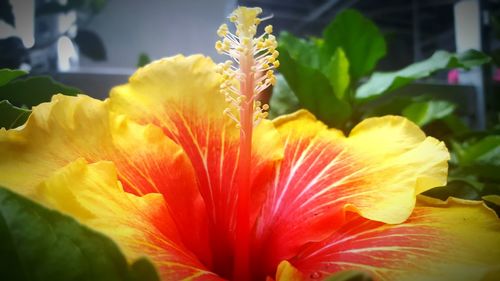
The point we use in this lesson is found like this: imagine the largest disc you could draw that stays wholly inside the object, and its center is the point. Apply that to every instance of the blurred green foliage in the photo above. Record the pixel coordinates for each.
(39, 244)
(334, 77)
(18, 93)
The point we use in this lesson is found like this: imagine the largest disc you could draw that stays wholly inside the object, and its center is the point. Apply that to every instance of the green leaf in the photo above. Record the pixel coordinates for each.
(459, 188)
(349, 275)
(283, 100)
(34, 90)
(384, 82)
(478, 157)
(6, 12)
(37, 244)
(486, 151)
(456, 125)
(495, 199)
(143, 60)
(90, 45)
(12, 116)
(334, 66)
(303, 51)
(391, 106)
(360, 39)
(314, 91)
(337, 71)
(425, 112)
(7, 75)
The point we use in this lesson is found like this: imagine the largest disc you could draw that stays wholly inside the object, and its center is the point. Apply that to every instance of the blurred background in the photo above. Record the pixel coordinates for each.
(95, 44)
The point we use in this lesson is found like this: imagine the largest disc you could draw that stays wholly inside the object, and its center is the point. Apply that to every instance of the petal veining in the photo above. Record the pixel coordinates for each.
(181, 95)
(453, 240)
(69, 128)
(323, 174)
(140, 225)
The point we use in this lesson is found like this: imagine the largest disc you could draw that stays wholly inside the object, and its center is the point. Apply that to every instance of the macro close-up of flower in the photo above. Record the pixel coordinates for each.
(182, 166)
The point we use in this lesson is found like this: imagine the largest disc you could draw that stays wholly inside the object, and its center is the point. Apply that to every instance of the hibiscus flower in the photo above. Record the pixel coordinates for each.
(180, 165)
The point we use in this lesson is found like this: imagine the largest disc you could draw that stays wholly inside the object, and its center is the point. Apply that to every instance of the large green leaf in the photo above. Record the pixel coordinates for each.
(283, 100)
(479, 157)
(7, 75)
(384, 82)
(360, 39)
(37, 244)
(303, 51)
(425, 112)
(460, 188)
(313, 90)
(34, 90)
(337, 72)
(12, 116)
(334, 66)
(485, 150)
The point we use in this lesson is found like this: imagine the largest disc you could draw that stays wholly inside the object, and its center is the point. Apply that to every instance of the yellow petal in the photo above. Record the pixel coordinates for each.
(400, 161)
(140, 225)
(454, 240)
(178, 85)
(69, 128)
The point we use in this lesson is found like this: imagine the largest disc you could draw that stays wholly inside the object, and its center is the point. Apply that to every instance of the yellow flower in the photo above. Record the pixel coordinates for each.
(160, 169)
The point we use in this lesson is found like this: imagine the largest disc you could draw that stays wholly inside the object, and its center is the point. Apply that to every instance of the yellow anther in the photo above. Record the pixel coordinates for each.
(276, 63)
(245, 41)
(269, 29)
(223, 30)
(252, 30)
(218, 47)
(247, 20)
(257, 53)
(272, 80)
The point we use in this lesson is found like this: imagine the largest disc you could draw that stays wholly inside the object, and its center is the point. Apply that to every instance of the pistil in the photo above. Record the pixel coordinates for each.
(255, 57)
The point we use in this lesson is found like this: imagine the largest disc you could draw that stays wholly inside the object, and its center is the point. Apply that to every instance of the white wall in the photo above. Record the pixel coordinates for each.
(159, 28)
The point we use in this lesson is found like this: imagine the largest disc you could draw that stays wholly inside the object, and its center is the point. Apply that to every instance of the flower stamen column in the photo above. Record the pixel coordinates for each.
(255, 58)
